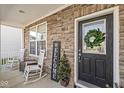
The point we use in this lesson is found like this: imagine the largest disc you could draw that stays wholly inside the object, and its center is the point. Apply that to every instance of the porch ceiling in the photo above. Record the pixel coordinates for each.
(10, 15)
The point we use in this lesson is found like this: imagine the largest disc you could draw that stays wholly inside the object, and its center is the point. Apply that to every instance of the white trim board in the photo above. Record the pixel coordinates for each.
(115, 11)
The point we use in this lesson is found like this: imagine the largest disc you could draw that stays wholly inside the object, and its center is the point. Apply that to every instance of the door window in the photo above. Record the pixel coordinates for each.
(94, 37)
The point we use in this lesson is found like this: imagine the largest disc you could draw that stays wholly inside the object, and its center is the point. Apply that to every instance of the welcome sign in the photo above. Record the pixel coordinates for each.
(55, 60)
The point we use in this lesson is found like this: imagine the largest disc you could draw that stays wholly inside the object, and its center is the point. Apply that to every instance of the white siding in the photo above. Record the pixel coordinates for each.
(11, 40)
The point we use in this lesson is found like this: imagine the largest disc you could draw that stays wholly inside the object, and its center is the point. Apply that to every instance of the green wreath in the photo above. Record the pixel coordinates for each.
(94, 38)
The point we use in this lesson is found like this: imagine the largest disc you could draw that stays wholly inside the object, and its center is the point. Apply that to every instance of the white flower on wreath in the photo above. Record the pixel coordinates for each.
(91, 39)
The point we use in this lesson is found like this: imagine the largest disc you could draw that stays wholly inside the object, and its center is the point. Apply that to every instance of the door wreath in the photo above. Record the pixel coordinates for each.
(94, 38)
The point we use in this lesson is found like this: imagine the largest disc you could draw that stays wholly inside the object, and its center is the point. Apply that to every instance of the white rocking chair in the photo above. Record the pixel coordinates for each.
(11, 62)
(34, 70)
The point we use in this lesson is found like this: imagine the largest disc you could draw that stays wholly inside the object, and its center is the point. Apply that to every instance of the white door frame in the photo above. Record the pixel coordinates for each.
(115, 11)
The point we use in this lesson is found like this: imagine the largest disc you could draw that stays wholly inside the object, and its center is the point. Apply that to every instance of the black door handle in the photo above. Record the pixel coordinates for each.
(79, 57)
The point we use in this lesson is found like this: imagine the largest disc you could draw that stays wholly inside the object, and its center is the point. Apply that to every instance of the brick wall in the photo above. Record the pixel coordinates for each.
(61, 27)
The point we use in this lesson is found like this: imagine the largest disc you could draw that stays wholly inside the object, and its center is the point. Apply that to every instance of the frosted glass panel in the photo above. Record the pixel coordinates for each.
(41, 32)
(41, 45)
(94, 37)
(33, 47)
(33, 34)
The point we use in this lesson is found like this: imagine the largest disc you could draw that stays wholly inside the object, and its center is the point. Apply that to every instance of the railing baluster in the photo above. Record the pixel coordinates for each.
(2, 61)
(8, 56)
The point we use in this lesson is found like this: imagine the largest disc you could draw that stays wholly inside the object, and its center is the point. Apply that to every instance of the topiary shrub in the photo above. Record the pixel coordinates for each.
(64, 70)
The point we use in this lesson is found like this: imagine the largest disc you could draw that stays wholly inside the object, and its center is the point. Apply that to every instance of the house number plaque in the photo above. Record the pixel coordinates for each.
(55, 60)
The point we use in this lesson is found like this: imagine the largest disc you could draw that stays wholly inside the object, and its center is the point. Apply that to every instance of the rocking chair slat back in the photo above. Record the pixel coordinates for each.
(41, 57)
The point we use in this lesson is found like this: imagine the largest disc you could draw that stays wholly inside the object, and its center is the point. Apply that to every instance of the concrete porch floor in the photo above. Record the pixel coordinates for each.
(16, 79)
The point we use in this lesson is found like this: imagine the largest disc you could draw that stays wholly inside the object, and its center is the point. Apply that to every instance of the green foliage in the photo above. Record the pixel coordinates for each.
(64, 68)
(99, 38)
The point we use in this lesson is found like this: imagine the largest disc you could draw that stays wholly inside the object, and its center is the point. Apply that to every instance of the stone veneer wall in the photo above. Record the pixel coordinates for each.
(61, 27)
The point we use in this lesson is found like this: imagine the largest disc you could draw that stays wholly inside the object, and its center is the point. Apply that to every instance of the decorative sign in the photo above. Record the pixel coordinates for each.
(55, 60)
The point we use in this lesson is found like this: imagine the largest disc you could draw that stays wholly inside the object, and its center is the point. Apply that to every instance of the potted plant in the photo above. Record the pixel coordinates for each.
(64, 71)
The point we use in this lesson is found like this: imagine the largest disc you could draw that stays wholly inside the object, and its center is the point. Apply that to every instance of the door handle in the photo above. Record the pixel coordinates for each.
(79, 54)
(79, 57)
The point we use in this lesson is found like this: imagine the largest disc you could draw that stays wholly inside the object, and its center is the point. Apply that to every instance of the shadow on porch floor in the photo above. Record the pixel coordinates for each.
(15, 79)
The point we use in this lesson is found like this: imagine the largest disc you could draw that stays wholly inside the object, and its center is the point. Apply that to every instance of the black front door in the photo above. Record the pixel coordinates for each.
(95, 51)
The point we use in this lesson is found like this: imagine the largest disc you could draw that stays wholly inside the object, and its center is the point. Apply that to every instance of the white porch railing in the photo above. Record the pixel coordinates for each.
(5, 56)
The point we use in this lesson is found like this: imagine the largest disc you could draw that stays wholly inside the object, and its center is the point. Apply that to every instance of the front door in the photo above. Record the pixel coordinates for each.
(95, 51)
